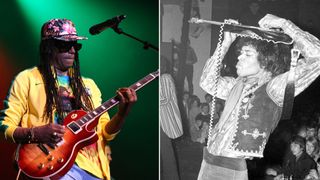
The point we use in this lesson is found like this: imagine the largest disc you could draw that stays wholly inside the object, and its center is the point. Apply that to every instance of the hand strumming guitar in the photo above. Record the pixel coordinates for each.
(47, 134)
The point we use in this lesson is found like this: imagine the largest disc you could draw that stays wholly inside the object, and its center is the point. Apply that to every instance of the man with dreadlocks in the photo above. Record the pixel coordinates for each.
(255, 99)
(41, 97)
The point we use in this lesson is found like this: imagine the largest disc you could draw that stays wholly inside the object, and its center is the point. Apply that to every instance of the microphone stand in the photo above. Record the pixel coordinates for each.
(146, 44)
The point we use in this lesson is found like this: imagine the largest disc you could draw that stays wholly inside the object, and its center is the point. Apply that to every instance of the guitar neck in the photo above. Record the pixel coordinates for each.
(114, 100)
(195, 20)
(266, 34)
(136, 86)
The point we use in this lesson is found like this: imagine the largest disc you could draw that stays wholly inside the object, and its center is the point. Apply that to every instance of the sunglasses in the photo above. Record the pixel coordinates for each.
(66, 46)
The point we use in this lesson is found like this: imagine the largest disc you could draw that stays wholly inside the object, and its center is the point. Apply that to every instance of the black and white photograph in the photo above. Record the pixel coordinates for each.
(239, 94)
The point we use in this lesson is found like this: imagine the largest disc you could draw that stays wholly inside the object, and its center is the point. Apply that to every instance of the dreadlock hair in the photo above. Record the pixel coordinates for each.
(273, 57)
(82, 98)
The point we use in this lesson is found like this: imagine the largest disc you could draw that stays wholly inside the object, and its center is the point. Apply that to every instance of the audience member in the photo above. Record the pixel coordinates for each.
(203, 121)
(302, 132)
(208, 98)
(311, 129)
(318, 134)
(191, 59)
(312, 149)
(170, 123)
(252, 14)
(298, 164)
(193, 112)
(185, 114)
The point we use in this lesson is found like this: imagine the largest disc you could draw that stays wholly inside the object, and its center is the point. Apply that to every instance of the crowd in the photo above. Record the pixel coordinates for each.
(301, 158)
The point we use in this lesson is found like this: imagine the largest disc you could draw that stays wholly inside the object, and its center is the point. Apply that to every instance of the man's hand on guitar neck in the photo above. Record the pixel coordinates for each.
(127, 97)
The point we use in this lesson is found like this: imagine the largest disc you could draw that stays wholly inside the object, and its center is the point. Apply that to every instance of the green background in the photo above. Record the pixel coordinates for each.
(112, 60)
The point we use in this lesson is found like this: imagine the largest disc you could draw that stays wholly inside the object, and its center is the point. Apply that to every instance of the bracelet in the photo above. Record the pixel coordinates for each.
(31, 136)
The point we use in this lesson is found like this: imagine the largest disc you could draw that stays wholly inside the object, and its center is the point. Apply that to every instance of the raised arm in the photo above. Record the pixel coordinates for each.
(210, 72)
(308, 67)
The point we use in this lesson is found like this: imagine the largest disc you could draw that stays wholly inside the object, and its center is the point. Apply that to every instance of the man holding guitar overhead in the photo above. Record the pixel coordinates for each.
(54, 141)
(255, 100)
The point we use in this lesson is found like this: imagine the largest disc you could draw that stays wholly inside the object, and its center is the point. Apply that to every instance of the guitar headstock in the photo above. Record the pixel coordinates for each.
(195, 20)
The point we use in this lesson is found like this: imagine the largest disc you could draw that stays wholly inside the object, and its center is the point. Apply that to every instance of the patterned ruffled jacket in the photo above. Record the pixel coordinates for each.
(248, 122)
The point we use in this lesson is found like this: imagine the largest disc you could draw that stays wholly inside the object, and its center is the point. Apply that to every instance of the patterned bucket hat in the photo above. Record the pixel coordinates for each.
(60, 29)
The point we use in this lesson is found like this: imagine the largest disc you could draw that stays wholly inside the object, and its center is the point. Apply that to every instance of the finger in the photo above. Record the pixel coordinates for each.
(133, 95)
(127, 93)
(232, 21)
(59, 129)
(55, 140)
(121, 96)
(262, 21)
(56, 135)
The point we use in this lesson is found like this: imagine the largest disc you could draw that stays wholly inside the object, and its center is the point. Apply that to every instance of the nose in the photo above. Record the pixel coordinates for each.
(72, 50)
(240, 57)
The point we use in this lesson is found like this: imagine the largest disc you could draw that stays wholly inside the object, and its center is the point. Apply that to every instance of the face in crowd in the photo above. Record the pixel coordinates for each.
(296, 149)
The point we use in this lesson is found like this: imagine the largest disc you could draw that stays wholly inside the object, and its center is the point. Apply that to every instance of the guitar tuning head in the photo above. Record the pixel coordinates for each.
(194, 20)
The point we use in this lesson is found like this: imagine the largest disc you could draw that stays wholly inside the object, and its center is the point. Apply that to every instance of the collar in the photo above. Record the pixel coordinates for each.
(259, 80)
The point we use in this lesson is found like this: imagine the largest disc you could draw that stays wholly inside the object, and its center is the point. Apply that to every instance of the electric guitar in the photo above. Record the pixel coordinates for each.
(275, 36)
(42, 161)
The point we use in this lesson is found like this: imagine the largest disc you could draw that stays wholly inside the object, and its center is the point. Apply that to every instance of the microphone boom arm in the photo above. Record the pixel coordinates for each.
(146, 44)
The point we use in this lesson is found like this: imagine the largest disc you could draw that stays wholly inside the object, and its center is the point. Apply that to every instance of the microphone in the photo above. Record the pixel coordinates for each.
(110, 23)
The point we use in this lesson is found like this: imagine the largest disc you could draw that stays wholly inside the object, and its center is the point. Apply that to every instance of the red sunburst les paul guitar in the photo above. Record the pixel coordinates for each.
(42, 161)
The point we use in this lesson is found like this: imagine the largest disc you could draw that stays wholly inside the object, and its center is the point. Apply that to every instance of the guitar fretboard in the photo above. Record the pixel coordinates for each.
(90, 116)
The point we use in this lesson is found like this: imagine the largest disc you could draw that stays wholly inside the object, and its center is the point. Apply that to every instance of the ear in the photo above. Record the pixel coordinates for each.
(262, 66)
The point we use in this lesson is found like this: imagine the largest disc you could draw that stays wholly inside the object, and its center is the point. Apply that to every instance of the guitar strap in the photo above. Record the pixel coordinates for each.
(289, 91)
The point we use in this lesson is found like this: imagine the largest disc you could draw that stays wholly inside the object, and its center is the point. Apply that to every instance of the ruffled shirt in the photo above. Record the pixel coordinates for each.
(231, 89)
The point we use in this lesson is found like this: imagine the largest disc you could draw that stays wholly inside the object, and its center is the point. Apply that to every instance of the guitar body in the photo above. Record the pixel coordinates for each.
(274, 36)
(55, 162)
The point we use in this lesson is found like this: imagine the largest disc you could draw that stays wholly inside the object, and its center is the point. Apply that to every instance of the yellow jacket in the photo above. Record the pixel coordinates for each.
(24, 107)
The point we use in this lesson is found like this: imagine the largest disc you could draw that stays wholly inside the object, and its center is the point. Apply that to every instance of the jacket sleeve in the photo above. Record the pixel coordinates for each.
(15, 105)
(209, 76)
(95, 94)
(308, 68)
(166, 88)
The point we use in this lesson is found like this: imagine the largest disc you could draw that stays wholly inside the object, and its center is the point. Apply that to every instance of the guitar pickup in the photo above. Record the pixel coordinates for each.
(43, 149)
(74, 127)
(51, 145)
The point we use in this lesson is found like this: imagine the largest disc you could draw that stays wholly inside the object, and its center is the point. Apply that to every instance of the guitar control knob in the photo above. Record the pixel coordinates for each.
(60, 160)
(50, 158)
(50, 167)
(41, 165)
